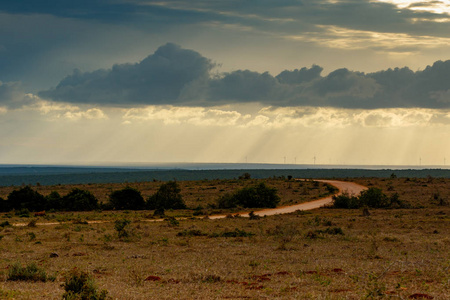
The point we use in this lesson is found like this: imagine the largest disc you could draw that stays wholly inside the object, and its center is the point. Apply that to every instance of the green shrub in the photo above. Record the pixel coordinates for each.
(79, 200)
(168, 197)
(251, 197)
(374, 197)
(127, 198)
(172, 221)
(26, 198)
(345, 200)
(54, 201)
(23, 213)
(28, 273)
(120, 226)
(228, 200)
(371, 198)
(79, 285)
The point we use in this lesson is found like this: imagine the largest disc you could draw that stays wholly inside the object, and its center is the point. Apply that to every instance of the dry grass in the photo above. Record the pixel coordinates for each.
(394, 253)
(194, 193)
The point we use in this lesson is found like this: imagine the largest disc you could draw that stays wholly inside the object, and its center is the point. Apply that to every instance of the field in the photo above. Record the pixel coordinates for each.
(321, 254)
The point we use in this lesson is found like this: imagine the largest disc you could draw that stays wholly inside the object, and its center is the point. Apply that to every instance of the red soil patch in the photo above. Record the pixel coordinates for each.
(283, 273)
(153, 278)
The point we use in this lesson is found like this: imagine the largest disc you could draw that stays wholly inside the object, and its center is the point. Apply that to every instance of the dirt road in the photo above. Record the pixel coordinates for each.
(350, 187)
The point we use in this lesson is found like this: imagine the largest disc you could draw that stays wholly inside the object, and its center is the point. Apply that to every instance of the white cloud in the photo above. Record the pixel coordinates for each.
(351, 39)
(439, 7)
(289, 117)
(90, 114)
(198, 116)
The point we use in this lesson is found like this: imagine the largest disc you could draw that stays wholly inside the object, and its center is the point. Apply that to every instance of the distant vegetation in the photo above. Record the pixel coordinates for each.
(26, 199)
(372, 198)
(127, 198)
(84, 176)
(259, 195)
(167, 197)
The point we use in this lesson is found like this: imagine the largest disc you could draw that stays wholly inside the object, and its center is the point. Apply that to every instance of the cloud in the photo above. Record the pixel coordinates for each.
(158, 79)
(90, 114)
(12, 96)
(292, 118)
(198, 116)
(176, 76)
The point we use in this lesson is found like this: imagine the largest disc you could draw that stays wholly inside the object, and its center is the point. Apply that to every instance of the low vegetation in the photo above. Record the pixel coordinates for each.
(259, 195)
(126, 198)
(80, 285)
(320, 254)
(30, 272)
(168, 196)
(371, 198)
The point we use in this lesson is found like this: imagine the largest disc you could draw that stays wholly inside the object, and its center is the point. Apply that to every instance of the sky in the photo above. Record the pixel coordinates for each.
(356, 82)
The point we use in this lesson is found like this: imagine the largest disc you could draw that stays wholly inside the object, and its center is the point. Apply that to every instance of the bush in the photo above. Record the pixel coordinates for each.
(345, 200)
(374, 197)
(79, 200)
(371, 198)
(54, 201)
(251, 197)
(127, 198)
(167, 197)
(26, 198)
(120, 225)
(80, 286)
(29, 273)
(228, 200)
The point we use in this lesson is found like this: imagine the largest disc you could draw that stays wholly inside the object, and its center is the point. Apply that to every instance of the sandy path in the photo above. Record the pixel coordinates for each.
(350, 187)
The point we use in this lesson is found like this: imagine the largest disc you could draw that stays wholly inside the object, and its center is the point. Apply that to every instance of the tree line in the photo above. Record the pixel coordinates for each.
(168, 196)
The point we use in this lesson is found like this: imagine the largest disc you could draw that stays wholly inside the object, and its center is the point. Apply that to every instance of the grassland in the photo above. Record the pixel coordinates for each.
(321, 254)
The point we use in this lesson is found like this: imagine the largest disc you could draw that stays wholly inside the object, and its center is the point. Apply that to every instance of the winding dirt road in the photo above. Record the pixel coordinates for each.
(343, 186)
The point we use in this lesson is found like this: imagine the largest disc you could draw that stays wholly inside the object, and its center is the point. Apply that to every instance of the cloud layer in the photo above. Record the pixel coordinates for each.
(177, 76)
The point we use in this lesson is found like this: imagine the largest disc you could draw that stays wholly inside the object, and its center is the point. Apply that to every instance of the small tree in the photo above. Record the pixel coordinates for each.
(374, 197)
(254, 196)
(345, 200)
(26, 198)
(79, 200)
(54, 201)
(127, 198)
(167, 197)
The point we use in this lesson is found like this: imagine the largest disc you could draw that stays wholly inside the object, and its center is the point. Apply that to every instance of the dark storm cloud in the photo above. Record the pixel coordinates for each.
(157, 79)
(177, 76)
(282, 17)
(82, 9)
(32, 30)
